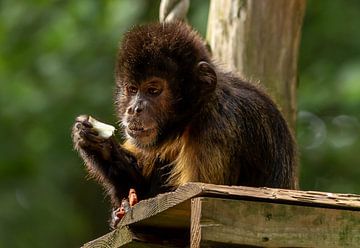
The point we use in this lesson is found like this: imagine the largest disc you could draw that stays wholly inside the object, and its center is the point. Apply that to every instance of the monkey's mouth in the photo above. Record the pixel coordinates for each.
(139, 132)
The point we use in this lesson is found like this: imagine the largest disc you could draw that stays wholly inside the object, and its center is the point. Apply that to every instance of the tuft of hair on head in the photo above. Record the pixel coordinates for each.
(172, 47)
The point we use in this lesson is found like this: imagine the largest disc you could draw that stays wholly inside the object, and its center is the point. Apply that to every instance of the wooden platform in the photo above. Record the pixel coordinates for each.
(205, 215)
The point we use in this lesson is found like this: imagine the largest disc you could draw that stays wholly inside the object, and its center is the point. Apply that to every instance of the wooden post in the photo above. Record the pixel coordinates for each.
(195, 228)
(220, 222)
(260, 39)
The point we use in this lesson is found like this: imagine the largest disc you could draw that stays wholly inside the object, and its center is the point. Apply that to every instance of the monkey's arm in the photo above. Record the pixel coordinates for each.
(116, 168)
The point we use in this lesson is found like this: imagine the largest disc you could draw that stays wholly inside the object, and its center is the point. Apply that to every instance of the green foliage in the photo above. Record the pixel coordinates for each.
(329, 97)
(57, 61)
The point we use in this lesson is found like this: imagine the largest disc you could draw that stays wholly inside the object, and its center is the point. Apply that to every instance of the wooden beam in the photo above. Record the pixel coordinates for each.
(220, 222)
(195, 229)
(139, 237)
(121, 237)
(154, 206)
(295, 197)
(168, 215)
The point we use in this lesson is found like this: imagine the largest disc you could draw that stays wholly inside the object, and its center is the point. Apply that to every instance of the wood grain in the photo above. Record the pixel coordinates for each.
(117, 238)
(195, 229)
(168, 214)
(260, 40)
(294, 197)
(224, 221)
(165, 220)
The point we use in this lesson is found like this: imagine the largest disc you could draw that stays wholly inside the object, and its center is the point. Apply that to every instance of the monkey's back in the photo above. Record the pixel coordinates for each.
(260, 146)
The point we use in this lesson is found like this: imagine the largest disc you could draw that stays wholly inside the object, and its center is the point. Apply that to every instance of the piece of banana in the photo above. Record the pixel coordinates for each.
(104, 130)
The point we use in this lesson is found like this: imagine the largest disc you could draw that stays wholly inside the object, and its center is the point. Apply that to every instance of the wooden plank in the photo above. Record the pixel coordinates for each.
(164, 214)
(117, 238)
(195, 229)
(153, 206)
(227, 221)
(171, 211)
(140, 238)
(296, 197)
(177, 217)
(162, 205)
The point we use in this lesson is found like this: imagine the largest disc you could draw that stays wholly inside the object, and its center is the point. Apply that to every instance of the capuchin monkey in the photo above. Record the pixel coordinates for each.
(184, 119)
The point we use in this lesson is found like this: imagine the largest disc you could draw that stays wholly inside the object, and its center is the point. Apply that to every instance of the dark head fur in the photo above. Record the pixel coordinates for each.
(170, 48)
(174, 52)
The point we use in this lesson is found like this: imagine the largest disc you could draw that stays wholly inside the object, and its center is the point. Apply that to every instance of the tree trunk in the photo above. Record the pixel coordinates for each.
(260, 40)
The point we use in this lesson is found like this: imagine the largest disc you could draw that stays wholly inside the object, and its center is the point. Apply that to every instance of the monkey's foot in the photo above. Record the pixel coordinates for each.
(125, 206)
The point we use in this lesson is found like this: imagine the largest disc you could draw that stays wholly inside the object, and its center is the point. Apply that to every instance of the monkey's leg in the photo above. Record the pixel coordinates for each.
(106, 160)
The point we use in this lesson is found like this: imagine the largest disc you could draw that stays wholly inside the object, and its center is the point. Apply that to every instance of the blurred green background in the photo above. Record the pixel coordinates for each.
(57, 60)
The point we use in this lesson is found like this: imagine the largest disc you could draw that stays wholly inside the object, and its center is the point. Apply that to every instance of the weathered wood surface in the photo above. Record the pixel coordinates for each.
(196, 217)
(169, 214)
(219, 222)
(295, 197)
(132, 238)
(166, 213)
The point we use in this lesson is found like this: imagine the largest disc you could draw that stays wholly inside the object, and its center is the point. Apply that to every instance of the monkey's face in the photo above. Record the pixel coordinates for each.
(144, 108)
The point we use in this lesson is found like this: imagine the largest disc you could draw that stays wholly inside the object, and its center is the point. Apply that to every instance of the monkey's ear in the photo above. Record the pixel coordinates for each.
(207, 75)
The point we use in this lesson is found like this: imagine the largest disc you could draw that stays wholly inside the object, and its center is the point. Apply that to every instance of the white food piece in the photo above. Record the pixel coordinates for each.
(104, 130)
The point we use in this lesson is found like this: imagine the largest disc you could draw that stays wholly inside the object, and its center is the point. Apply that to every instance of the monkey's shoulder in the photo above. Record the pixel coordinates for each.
(235, 95)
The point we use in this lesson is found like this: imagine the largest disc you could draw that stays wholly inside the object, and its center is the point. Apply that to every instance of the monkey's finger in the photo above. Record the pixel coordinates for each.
(82, 122)
(90, 135)
(115, 221)
(125, 205)
(116, 216)
(80, 127)
(83, 125)
(133, 199)
(120, 212)
(83, 119)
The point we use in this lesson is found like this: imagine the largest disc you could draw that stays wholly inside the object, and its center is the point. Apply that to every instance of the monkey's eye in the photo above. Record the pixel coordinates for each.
(153, 91)
(132, 89)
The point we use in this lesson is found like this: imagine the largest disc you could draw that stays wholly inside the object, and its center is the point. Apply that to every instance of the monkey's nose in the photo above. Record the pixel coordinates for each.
(135, 110)
(138, 109)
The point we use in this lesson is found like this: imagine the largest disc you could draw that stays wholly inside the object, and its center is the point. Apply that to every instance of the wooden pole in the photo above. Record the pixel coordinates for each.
(260, 39)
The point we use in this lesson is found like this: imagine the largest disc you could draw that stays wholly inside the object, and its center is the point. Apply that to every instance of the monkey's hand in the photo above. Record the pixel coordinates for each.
(93, 137)
(113, 166)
